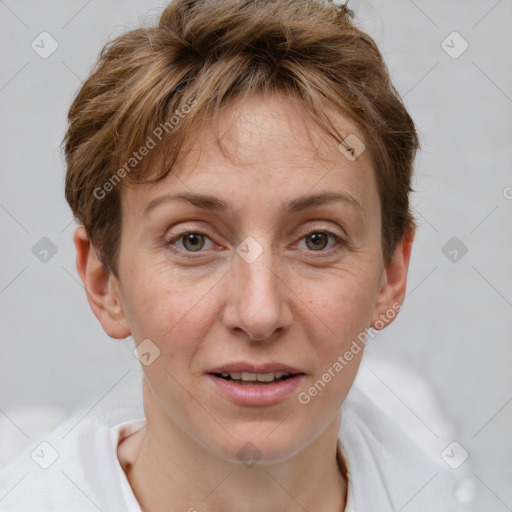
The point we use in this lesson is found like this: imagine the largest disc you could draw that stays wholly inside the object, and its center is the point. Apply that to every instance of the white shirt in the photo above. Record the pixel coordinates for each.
(76, 468)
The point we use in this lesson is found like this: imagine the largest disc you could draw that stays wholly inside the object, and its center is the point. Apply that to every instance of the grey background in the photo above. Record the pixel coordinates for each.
(454, 331)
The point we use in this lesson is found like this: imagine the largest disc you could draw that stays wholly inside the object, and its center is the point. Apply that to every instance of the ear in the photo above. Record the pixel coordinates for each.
(101, 287)
(393, 283)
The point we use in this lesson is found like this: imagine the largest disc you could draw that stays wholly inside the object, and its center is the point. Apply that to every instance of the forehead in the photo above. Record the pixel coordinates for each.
(265, 143)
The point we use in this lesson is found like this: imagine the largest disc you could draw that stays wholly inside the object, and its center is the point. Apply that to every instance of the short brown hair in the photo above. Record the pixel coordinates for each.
(202, 53)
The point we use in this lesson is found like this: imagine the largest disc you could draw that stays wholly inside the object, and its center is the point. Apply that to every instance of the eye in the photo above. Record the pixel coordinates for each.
(322, 241)
(191, 241)
(318, 240)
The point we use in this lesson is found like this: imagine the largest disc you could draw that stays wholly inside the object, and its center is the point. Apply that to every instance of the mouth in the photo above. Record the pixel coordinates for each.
(255, 385)
(252, 379)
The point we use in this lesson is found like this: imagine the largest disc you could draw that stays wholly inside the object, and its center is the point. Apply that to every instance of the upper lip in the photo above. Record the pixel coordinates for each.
(243, 366)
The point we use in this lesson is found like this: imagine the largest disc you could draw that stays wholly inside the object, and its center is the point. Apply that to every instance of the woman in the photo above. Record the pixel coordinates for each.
(240, 174)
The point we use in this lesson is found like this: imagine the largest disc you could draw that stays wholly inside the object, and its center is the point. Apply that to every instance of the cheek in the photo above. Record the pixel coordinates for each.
(169, 308)
(343, 308)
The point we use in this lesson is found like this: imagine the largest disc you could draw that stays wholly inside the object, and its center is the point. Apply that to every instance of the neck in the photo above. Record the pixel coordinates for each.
(169, 470)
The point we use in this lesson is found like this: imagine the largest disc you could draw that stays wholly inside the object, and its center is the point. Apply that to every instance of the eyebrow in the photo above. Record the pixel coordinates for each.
(214, 204)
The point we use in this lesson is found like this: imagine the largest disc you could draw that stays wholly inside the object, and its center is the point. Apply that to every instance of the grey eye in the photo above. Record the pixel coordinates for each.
(318, 240)
(193, 241)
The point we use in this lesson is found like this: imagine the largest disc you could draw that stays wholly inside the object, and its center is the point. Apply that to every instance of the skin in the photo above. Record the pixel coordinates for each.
(298, 303)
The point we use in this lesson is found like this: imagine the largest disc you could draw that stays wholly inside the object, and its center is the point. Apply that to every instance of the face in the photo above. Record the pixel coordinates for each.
(268, 266)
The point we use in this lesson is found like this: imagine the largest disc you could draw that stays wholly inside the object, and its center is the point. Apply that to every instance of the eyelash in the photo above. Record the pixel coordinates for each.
(189, 254)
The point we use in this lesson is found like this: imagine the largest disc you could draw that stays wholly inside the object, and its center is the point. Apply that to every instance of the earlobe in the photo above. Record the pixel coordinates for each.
(100, 287)
(393, 284)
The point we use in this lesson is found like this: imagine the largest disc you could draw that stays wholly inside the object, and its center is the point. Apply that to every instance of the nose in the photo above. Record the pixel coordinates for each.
(257, 302)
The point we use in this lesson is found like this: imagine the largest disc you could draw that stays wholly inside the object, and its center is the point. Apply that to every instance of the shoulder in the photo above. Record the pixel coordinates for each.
(72, 468)
(387, 469)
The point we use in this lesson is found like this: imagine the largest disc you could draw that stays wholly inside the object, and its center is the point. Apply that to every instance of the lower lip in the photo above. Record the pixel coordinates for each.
(256, 394)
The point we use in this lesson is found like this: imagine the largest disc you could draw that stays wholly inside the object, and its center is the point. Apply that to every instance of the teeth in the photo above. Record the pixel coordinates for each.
(253, 377)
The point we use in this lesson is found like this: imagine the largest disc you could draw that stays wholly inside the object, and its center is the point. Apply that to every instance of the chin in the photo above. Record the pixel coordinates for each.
(261, 443)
